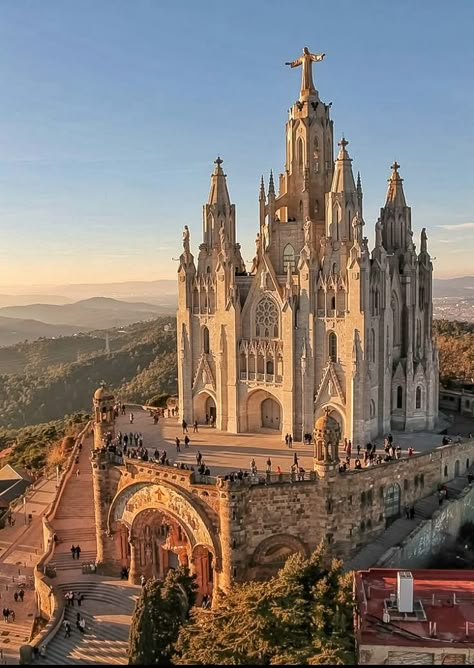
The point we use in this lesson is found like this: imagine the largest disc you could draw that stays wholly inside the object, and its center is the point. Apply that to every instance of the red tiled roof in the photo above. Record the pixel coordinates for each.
(435, 589)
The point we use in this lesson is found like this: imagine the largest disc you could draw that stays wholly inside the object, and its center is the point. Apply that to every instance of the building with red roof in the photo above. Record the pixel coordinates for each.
(414, 617)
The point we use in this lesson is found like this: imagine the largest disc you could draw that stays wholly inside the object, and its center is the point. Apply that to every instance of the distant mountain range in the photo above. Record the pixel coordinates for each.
(32, 321)
(453, 287)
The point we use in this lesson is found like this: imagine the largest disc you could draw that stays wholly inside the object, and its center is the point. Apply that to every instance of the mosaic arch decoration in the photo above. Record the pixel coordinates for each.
(139, 496)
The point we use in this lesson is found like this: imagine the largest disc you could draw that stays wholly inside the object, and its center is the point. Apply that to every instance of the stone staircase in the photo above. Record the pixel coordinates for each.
(107, 608)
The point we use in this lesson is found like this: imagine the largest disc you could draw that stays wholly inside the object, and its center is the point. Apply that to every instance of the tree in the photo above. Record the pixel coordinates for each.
(161, 609)
(303, 615)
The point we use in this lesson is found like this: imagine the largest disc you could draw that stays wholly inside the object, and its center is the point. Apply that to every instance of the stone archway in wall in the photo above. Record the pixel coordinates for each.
(271, 554)
(156, 527)
(204, 404)
(264, 412)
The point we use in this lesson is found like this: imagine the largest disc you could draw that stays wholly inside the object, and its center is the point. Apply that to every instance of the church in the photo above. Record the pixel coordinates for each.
(319, 324)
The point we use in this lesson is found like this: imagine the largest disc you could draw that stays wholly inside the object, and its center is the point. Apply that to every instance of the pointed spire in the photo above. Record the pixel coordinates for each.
(395, 194)
(218, 193)
(271, 186)
(262, 190)
(343, 179)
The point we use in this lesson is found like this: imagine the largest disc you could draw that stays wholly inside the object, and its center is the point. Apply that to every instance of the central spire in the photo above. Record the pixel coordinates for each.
(306, 61)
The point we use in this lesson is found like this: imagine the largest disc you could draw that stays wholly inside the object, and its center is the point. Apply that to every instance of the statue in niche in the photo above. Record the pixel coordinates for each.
(378, 233)
(307, 232)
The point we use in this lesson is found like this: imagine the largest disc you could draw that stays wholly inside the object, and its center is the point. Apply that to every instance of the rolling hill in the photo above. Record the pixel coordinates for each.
(84, 315)
(13, 330)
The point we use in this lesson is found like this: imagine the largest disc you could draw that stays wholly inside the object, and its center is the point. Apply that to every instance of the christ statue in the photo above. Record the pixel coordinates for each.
(306, 61)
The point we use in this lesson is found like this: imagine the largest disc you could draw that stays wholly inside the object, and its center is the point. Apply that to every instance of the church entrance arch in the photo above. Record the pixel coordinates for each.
(156, 528)
(204, 405)
(263, 412)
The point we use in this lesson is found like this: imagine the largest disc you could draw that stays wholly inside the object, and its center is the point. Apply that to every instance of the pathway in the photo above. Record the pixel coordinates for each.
(108, 602)
(370, 554)
(20, 549)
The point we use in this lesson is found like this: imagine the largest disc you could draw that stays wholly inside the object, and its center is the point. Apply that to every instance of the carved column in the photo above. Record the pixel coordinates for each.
(133, 572)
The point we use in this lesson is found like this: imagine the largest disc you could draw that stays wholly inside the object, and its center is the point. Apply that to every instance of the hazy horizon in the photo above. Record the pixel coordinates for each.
(113, 113)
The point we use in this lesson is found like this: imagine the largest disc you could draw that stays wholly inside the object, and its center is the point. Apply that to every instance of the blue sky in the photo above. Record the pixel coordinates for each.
(112, 113)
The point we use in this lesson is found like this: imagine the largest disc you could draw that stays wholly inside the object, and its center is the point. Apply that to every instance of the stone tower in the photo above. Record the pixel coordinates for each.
(103, 407)
(318, 322)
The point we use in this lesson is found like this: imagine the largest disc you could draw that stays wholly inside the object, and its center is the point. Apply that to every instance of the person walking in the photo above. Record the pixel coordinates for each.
(290, 441)
(73, 551)
(269, 465)
(80, 598)
(82, 625)
(67, 629)
(21, 594)
(184, 425)
(186, 441)
(195, 427)
(78, 619)
(6, 614)
(198, 458)
(15, 596)
(287, 440)
(78, 551)
(142, 580)
(178, 444)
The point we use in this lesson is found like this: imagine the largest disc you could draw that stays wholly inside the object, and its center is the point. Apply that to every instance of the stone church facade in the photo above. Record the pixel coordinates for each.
(319, 321)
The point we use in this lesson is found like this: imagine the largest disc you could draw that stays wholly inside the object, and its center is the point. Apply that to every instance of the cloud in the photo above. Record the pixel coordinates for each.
(461, 226)
(445, 241)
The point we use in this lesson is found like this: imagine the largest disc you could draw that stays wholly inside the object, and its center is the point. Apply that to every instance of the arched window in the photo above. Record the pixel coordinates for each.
(396, 319)
(418, 397)
(372, 408)
(392, 501)
(372, 345)
(266, 319)
(399, 396)
(289, 258)
(300, 154)
(332, 347)
(270, 367)
(418, 336)
(333, 303)
(205, 339)
(315, 156)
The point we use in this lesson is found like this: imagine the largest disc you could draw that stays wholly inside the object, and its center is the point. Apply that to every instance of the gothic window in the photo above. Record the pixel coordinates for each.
(315, 156)
(205, 340)
(396, 320)
(270, 367)
(372, 408)
(372, 345)
(392, 500)
(333, 303)
(332, 347)
(266, 319)
(289, 258)
(316, 207)
(418, 398)
(300, 154)
(418, 336)
(399, 396)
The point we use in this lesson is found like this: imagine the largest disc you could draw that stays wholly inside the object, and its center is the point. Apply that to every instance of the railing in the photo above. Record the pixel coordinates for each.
(266, 478)
(260, 377)
(201, 479)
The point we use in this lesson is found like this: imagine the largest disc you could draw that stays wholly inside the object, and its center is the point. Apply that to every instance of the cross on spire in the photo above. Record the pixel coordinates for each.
(218, 161)
(395, 166)
(343, 143)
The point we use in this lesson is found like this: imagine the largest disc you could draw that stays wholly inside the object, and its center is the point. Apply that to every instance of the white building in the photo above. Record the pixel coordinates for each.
(319, 320)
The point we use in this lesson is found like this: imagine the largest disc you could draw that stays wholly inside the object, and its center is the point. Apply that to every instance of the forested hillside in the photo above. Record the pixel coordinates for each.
(47, 379)
(456, 349)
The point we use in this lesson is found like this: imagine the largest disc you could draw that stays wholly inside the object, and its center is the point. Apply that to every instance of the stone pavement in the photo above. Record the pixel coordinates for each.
(20, 548)
(224, 453)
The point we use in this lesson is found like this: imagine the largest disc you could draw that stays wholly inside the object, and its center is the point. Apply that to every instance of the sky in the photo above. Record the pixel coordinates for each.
(112, 113)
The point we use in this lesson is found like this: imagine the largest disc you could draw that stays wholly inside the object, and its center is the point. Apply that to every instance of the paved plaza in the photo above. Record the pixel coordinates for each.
(224, 453)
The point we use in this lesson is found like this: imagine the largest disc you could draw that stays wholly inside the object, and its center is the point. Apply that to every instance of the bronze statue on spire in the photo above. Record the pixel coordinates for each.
(306, 60)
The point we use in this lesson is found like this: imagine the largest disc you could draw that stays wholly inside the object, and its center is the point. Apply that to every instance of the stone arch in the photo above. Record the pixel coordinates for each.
(134, 499)
(204, 403)
(271, 554)
(289, 258)
(255, 401)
